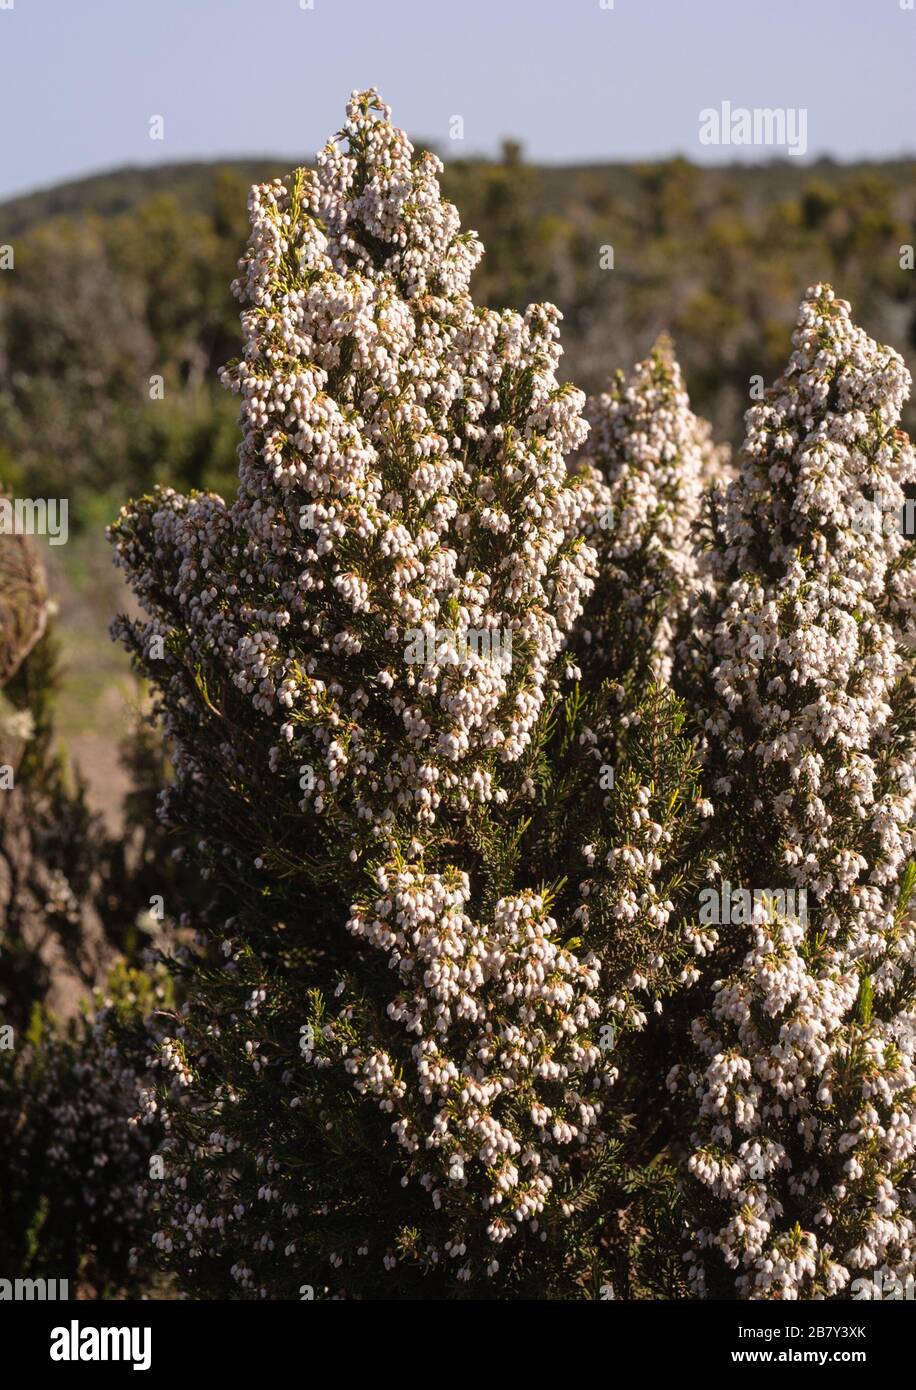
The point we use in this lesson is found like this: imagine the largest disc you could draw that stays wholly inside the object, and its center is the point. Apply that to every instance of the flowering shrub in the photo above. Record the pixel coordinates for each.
(410, 1065)
(414, 681)
(648, 455)
(74, 1172)
(804, 1080)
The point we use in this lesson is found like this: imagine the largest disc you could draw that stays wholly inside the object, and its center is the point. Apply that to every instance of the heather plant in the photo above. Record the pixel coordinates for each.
(648, 456)
(440, 921)
(75, 1170)
(799, 1097)
(453, 1017)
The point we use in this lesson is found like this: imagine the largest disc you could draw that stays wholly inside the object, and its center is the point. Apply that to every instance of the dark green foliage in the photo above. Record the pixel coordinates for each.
(74, 1173)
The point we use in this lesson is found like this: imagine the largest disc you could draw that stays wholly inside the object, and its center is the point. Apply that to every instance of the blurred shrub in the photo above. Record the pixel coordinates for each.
(74, 1171)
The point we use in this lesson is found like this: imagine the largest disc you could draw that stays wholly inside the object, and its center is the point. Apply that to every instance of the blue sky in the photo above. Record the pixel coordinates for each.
(80, 79)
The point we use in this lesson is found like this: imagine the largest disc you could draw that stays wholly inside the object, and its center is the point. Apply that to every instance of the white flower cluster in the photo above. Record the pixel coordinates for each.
(806, 1087)
(402, 472)
(394, 437)
(68, 1154)
(504, 1063)
(646, 949)
(403, 476)
(647, 456)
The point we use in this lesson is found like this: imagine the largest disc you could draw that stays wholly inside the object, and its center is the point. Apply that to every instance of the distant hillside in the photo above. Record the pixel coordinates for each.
(123, 278)
(120, 190)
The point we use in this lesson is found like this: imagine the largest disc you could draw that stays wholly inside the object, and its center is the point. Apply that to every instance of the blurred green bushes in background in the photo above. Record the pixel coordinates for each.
(124, 278)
